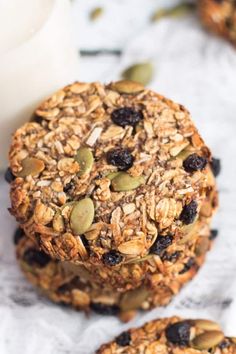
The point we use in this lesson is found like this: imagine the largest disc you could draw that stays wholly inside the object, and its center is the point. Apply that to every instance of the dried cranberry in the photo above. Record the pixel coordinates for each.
(123, 339)
(18, 235)
(126, 116)
(9, 177)
(194, 163)
(161, 243)
(34, 257)
(189, 213)
(112, 258)
(188, 265)
(215, 166)
(179, 333)
(214, 234)
(103, 309)
(120, 158)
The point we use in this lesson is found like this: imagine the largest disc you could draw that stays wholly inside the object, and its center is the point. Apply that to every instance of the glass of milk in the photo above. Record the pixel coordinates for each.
(37, 57)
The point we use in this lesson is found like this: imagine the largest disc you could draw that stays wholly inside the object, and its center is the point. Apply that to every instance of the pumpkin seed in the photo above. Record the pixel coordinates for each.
(127, 86)
(31, 166)
(85, 159)
(176, 11)
(207, 340)
(206, 325)
(112, 175)
(124, 182)
(96, 13)
(142, 73)
(82, 216)
(133, 299)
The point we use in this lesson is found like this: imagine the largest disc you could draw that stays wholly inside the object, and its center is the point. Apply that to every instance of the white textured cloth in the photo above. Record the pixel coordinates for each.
(199, 71)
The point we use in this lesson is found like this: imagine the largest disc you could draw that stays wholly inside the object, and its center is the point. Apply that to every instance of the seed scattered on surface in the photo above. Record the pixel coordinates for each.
(102, 309)
(194, 163)
(126, 116)
(142, 72)
(34, 257)
(82, 216)
(112, 258)
(189, 213)
(214, 234)
(9, 177)
(85, 159)
(179, 333)
(207, 340)
(31, 166)
(176, 11)
(127, 87)
(124, 182)
(18, 235)
(161, 243)
(123, 339)
(215, 166)
(121, 158)
(96, 13)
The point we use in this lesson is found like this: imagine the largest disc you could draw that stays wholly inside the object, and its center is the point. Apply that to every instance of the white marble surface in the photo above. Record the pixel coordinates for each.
(193, 68)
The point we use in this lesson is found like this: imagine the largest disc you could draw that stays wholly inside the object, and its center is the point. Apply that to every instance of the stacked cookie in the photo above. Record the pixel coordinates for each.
(114, 191)
(219, 16)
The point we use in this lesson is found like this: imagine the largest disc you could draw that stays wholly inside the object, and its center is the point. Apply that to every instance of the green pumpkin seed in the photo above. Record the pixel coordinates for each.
(142, 73)
(206, 325)
(176, 11)
(207, 340)
(82, 216)
(96, 13)
(127, 86)
(124, 182)
(31, 166)
(85, 159)
(112, 175)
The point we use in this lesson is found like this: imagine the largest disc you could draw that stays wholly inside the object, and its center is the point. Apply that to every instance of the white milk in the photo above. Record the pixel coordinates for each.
(37, 56)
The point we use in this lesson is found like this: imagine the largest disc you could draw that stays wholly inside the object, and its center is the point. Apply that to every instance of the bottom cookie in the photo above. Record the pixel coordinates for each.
(174, 336)
(61, 283)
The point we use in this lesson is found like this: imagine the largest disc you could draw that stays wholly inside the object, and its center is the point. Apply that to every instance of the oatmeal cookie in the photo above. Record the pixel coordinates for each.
(103, 171)
(172, 335)
(64, 282)
(219, 16)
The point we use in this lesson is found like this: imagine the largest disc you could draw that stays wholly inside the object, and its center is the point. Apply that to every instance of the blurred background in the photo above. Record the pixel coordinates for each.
(101, 40)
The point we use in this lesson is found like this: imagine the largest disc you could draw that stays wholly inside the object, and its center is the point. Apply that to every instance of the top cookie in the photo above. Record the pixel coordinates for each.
(103, 170)
(219, 16)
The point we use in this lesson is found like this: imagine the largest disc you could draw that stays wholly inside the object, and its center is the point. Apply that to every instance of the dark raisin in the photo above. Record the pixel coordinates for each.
(187, 266)
(120, 158)
(189, 213)
(103, 309)
(172, 257)
(34, 257)
(37, 119)
(18, 235)
(214, 234)
(215, 166)
(161, 243)
(126, 116)
(9, 177)
(112, 258)
(224, 344)
(123, 339)
(194, 163)
(68, 187)
(85, 242)
(179, 333)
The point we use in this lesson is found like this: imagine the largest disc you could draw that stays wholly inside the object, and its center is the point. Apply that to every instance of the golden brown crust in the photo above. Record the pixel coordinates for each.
(219, 17)
(51, 179)
(172, 336)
